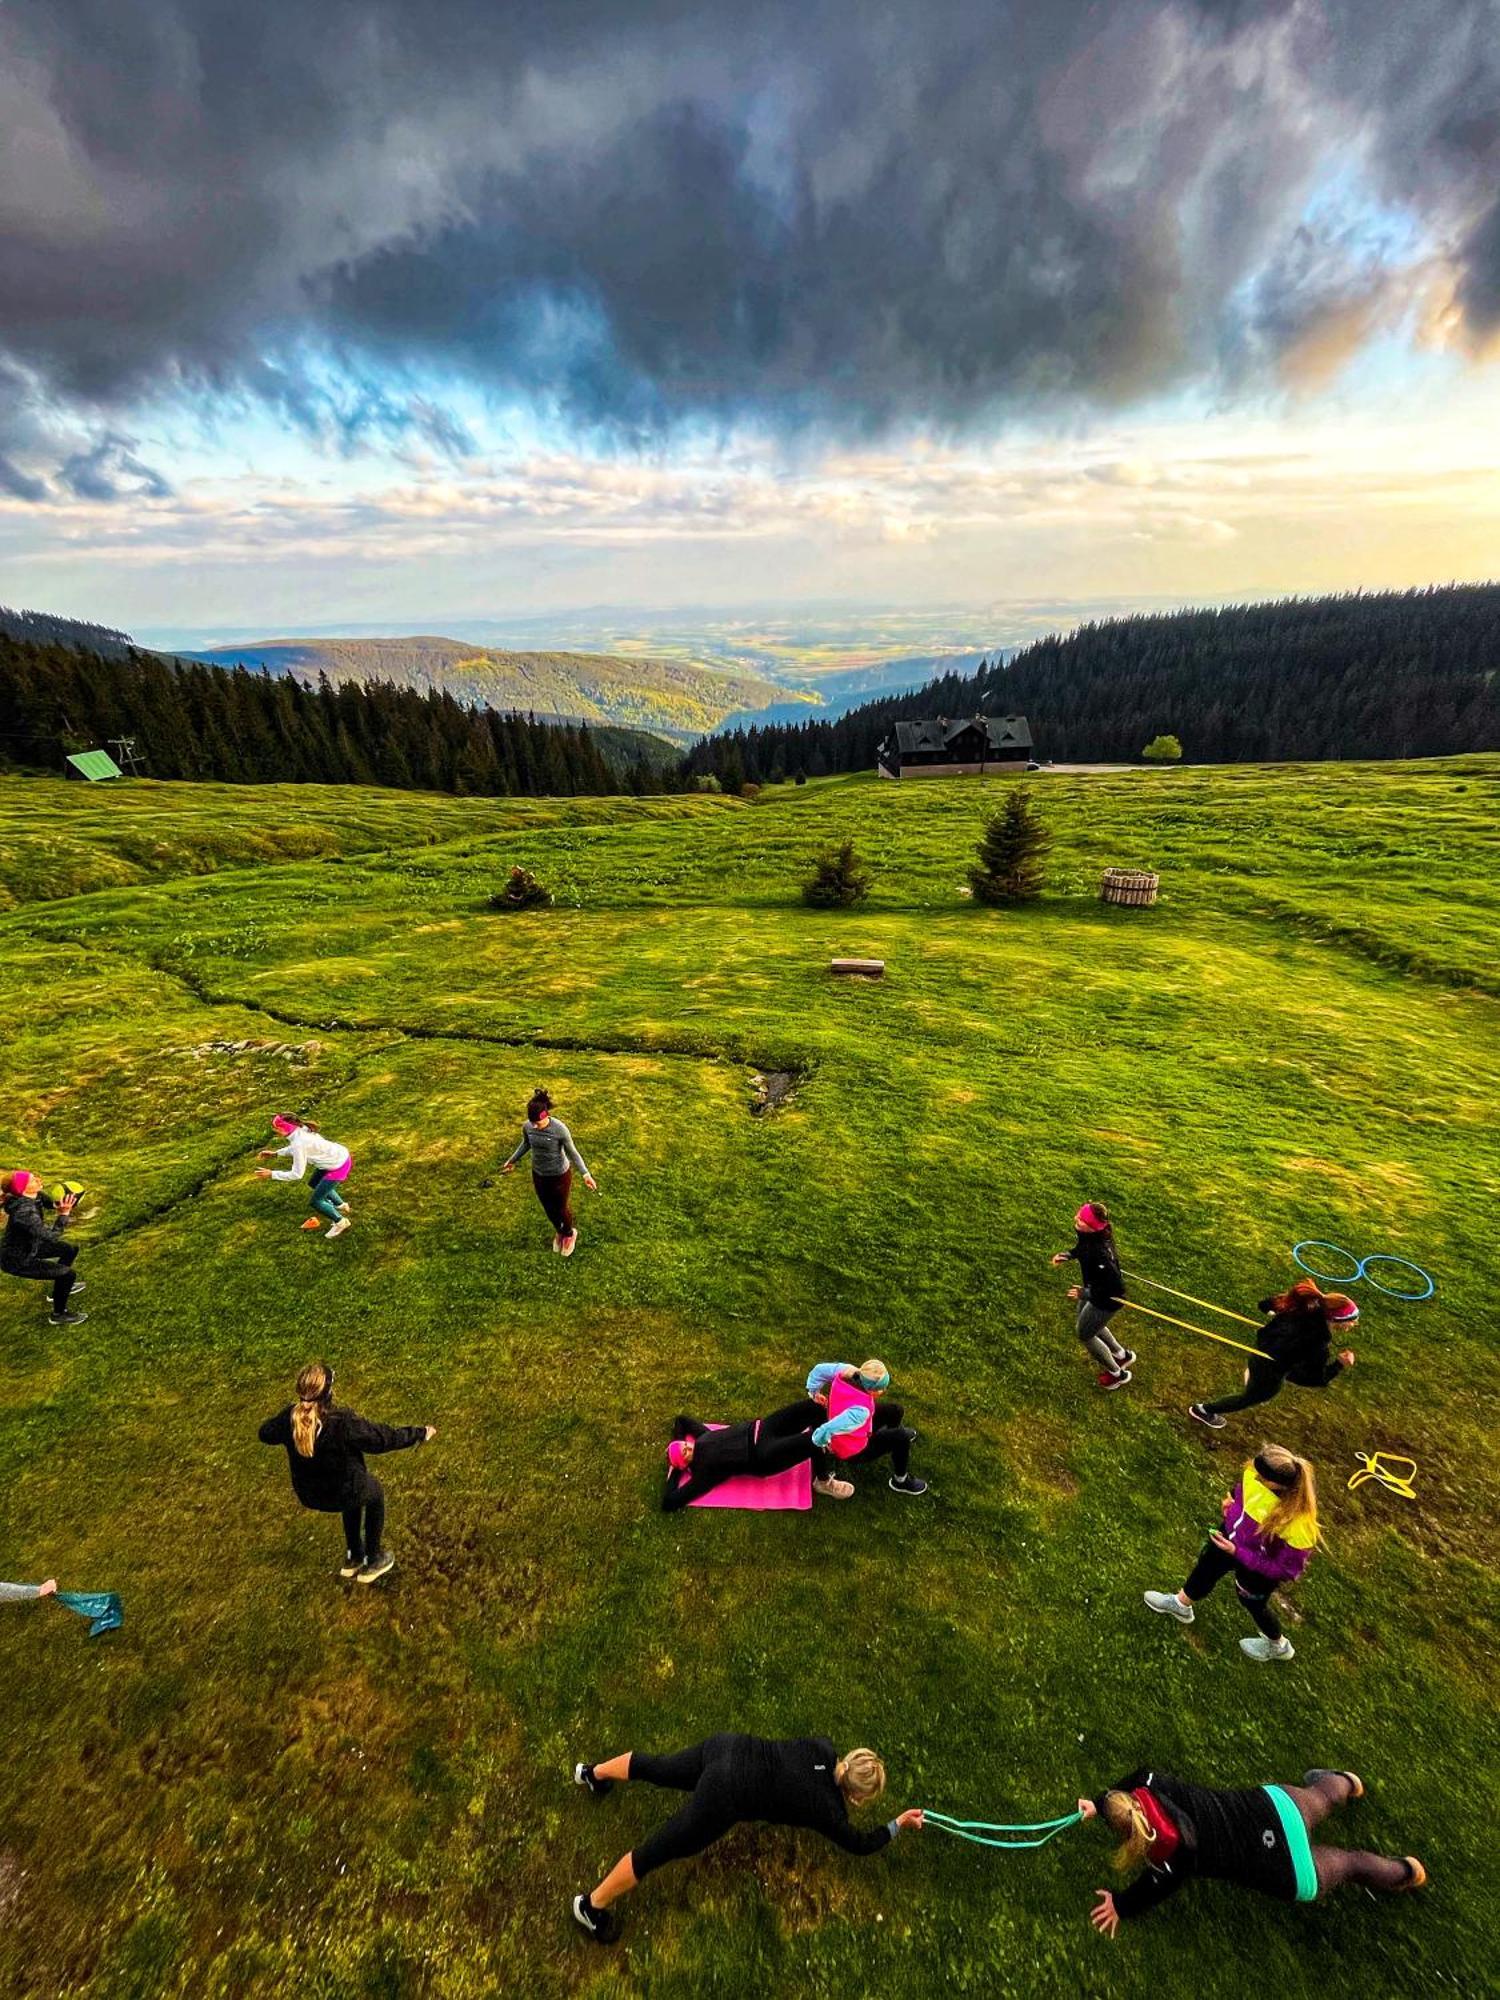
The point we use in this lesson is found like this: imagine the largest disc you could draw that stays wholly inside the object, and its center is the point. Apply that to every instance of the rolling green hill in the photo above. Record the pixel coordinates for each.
(268, 1781)
(672, 698)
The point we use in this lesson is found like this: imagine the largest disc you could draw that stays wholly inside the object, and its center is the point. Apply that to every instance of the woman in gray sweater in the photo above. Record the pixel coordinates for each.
(553, 1158)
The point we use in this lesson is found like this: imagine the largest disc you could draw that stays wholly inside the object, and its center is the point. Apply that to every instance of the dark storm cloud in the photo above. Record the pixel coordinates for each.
(632, 214)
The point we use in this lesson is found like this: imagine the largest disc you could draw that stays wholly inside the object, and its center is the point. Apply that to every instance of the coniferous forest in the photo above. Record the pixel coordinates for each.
(241, 727)
(1401, 674)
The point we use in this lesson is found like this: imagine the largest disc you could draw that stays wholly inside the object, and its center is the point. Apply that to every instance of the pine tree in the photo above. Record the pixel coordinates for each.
(1011, 853)
(839, 879)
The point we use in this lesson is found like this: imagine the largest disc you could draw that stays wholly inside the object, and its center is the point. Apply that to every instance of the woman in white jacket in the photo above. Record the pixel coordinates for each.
(306, 1147)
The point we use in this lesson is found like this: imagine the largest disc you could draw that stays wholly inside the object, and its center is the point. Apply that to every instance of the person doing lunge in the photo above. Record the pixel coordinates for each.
(34, 1248)
(864, 1428)
(801, 1783)
(1255, 1837)
(325, 1448)
(1100, 1292)
(330, 1162)
(553, 1158)
(1295, 1342)
(702, 1456)
(1270, 1531)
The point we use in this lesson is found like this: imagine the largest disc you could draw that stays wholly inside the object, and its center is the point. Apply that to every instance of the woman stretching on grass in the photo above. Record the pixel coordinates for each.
(553, 1158)
(1256, 1838)
(325, 1448)
(329, 1161)
(867, 1428)
(1100, 1292)
(1270, 1531)
(803, 1783)
(1295, 1342)
(702, 1456)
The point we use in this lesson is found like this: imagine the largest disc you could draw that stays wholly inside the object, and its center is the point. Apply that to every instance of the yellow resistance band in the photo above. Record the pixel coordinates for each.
(1382, 1465)
(1207, 1304)
(1222, 1338)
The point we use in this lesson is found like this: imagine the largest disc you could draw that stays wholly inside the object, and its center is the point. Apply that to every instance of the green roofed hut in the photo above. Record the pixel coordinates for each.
(967, 748)
(95, 765)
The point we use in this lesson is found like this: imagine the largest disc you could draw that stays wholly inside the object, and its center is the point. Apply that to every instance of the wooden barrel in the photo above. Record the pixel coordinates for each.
(1135, 887)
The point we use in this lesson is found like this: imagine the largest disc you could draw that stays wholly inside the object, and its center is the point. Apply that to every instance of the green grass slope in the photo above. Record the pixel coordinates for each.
(675, 697)
(268, 1782)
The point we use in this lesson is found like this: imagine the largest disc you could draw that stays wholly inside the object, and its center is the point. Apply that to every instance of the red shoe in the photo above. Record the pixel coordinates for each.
(1108, 1381)
(312, 1222)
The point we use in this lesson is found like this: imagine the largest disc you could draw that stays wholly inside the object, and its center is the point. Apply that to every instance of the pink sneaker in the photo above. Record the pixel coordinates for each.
(569, 1244)
(1108, 1381)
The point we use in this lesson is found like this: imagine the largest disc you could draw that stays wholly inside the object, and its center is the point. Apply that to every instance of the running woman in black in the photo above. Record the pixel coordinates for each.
(701, 1457)
(802, 1783)
(34, 1248)
(1100, 1292)
(1256, 1837)
(1295, 1345)
(325, 1449)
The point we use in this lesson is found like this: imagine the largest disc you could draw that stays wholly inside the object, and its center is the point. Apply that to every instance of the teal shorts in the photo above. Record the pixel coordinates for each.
(1299, 1847)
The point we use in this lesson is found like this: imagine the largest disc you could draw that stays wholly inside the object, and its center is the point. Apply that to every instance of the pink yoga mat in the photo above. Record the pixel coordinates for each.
(789, 1489)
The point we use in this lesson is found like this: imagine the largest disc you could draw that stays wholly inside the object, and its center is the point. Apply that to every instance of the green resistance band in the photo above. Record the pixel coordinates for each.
(979, 1830)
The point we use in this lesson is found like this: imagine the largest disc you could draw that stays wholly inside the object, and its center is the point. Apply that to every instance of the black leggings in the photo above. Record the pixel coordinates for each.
(704, 1771)
(1264, 1382)
(888, 1435)
(1213, 1565)
(370, 1543)
(58, 1266)
(1338, 1865)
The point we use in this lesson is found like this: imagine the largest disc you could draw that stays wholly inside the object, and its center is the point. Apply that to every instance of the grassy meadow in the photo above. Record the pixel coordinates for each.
(268, 1781)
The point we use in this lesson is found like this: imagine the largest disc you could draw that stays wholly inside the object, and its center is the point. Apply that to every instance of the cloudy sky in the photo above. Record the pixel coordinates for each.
(374, 310)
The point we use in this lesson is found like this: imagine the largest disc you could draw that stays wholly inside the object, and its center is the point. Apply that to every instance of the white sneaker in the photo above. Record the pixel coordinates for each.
(834, 1489)
(338, 1229)
(1170, 1605)
(1262, 1648)
(556, 1245)
(569, 1244)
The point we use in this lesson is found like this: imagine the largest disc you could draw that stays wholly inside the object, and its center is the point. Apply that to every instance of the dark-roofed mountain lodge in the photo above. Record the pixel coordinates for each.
(962, 749)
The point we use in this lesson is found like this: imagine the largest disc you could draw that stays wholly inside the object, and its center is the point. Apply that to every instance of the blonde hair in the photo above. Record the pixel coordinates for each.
(314, 1393)
(1299, 1501)
(873, 1371)
(1126, 1816)
(861, 1777)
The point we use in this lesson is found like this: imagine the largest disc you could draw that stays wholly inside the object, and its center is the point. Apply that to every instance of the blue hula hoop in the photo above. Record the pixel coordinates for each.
(1361, 1271)
(1328, 1277)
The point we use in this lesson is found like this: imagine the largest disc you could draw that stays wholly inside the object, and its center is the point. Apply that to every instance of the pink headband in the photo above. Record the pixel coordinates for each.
(1349, 1310)
(1088, 1217)
(283, 1125)
(677, 1455)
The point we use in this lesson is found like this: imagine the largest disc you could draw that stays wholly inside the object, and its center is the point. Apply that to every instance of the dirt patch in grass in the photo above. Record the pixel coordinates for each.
(774, 1090)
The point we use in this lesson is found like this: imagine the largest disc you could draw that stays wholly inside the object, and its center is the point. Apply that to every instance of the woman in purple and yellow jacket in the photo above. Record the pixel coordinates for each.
(1270, 1531)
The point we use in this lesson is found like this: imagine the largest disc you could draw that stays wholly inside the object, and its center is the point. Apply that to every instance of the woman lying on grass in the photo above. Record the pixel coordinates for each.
(1295, 1342)
(1256, 1838)
(803, 1783)
(700, 1457)
(1270, 1531)
(331, 1164)
(553, 1158)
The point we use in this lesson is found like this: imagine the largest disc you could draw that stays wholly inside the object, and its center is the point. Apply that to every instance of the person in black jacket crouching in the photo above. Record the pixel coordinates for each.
(325, 1449)
(1295, 1345)
(31, 1248)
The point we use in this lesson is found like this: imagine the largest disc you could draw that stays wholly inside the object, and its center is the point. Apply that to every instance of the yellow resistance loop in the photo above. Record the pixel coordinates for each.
(1207, 1304)
(1381, 1465)
(1202, 1331)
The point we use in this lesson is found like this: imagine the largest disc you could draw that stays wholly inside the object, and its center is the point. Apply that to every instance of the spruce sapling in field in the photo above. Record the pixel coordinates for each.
(522, 891)
(839, 878)
(1011, 854)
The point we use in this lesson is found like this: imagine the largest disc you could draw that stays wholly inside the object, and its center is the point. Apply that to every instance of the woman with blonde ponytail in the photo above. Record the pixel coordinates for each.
(325, 1448)
(1255, 1837)
(1270, 1531)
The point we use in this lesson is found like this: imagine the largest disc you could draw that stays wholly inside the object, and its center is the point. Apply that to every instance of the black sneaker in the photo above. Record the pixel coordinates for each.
(1117, 1378)
(1202, 1415)
(78, 1286)
(376, 1567)
(68, 1318)
(583, 1774)
(600, 1925)
(907, 1483)
(351, 1566)
(1127, 1359)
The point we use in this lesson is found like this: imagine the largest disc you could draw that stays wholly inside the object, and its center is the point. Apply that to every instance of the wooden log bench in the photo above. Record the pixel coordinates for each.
(858, 968)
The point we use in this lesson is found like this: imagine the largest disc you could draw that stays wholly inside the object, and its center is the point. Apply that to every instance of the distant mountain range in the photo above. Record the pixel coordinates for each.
(671, 698)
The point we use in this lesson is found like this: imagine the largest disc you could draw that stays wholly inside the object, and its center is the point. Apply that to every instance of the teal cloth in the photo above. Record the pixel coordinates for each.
(1293, 1826)
(102, 1608)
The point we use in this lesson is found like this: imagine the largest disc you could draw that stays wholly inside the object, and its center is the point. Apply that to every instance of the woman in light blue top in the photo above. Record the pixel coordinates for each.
(885, 1428)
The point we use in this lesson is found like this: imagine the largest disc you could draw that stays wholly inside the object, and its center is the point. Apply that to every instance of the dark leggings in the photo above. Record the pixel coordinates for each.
(704, 1770)
(1213, 1565)
(553, 1191)
(783, 1440)
(888, 1435)
(1263, 1383)
(58, 1266)
(370, 1543)
(1338, 1865)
